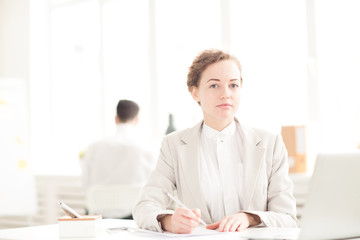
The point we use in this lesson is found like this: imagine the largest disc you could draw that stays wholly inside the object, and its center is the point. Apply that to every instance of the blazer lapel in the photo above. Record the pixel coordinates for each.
(190, 162)
(253, 159)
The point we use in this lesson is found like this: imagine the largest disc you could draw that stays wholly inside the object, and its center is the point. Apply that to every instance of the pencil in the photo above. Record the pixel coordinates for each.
(183, 205)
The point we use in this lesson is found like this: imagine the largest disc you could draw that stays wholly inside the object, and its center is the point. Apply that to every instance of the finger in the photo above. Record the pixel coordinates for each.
(189, 225)
(242, 226)
(222, 224)
(186, 213)
(197, 212)
(181, 217)
(182, 224)
(232, 223)
(189, 222)
(213, 226)
(235, 225)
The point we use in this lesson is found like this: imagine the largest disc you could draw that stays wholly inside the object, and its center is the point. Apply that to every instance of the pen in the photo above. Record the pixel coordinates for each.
(182, 205)
(68, 210)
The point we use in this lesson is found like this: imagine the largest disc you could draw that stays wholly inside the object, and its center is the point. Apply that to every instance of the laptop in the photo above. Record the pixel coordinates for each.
(332, 207)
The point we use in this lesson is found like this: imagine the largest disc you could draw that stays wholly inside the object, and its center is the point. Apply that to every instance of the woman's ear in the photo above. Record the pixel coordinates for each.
(195, 93)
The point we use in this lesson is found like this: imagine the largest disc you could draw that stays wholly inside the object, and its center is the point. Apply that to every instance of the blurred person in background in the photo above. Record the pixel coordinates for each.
(119, 159)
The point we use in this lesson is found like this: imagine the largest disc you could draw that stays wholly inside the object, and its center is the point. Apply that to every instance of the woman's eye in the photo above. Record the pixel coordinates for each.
(213, 86)
(234, 85)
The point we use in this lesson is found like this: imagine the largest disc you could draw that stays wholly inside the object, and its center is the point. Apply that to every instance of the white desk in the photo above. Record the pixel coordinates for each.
(50, 232)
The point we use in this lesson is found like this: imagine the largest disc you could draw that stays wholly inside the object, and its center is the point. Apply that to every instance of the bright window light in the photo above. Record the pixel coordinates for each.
(86, 55)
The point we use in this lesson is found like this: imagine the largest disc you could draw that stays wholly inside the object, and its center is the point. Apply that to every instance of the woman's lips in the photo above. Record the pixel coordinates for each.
(224, 106)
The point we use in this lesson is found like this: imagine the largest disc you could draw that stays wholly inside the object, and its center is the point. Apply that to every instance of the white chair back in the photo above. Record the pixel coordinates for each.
(112, 201)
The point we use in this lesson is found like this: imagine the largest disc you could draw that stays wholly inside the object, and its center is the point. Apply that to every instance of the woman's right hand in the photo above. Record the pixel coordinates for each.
(182, 221)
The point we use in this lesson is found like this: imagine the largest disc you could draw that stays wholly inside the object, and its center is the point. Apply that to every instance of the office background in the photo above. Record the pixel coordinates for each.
(64, 64)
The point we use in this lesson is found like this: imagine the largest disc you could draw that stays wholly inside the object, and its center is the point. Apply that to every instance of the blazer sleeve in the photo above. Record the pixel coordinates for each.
(154, 202)
(281, 203)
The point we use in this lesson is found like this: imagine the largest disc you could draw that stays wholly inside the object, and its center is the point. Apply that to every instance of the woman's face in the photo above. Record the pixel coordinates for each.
(219, 93)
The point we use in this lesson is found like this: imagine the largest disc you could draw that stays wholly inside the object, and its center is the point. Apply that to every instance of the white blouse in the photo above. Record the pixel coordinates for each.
(221, 170)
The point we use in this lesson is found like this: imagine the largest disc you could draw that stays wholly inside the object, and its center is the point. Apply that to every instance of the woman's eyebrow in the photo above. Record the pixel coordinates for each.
(218, 80)
(213, 79)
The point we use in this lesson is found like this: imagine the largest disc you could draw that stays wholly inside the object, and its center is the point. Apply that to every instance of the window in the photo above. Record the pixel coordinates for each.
(269, 37)
(97, 52)
(183, 29)
(125, 44)
(338, 53)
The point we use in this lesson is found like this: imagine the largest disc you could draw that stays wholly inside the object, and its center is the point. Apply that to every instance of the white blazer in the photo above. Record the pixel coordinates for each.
(267, 187)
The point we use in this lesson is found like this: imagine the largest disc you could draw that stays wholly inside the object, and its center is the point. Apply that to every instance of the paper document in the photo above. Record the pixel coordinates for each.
(202, 233)
(199, 231)
(270, 233)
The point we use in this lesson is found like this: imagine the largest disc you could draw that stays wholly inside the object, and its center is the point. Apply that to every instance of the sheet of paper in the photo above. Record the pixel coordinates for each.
(199, 231)
(270, 233)
(122, 229)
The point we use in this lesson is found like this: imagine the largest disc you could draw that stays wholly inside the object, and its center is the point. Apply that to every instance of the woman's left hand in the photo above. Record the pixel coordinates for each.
(235, 222)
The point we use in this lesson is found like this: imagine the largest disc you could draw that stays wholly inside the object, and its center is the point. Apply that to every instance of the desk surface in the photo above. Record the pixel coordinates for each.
(50, 232)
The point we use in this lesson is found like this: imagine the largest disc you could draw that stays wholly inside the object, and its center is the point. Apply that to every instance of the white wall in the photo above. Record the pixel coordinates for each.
(14, 39)
(14, 77)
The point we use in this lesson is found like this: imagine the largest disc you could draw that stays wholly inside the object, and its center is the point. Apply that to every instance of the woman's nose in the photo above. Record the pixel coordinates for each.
(225, 93)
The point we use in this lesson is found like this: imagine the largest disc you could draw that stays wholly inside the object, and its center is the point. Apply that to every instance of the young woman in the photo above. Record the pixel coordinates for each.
(231, 176)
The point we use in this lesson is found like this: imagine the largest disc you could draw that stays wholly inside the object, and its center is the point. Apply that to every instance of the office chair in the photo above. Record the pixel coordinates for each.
(112, 201)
